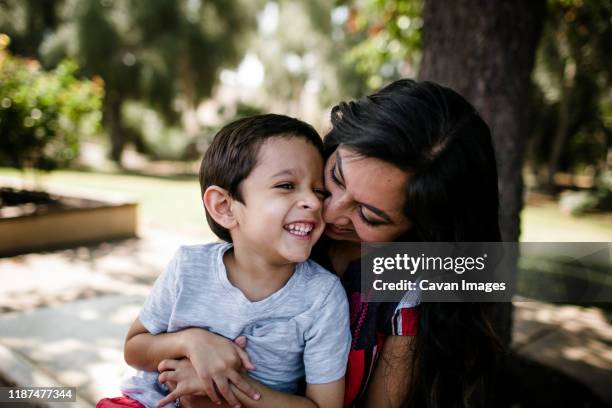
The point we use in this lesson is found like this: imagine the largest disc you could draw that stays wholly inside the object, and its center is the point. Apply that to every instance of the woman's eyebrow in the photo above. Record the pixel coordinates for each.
(375, 210)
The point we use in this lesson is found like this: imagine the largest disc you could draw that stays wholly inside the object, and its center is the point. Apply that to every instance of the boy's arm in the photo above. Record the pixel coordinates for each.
(214, 358)
(145, 351)
(330, 395)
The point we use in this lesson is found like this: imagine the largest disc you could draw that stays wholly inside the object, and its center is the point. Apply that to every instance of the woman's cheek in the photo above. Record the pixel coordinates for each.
(365, 235)
(369, 234)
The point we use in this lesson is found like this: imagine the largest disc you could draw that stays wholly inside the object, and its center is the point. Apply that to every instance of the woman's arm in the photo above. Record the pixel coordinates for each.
(390, 381)
(216, 360)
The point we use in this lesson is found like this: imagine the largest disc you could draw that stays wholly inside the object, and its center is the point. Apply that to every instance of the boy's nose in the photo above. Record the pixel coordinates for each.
(310, 201)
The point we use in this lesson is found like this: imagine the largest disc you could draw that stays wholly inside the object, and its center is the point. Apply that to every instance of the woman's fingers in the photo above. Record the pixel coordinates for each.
(168, 399)
(244, 357)
(224, 388)
(209, 389)
(167, 376)
(168, 364)
(243, 385)
(241, 341)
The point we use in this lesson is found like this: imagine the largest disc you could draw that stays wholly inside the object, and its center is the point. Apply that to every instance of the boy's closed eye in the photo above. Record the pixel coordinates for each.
(319, 191)
(285, 186)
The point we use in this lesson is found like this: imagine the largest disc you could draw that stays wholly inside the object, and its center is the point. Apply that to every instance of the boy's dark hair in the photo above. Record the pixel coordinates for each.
(232, 155)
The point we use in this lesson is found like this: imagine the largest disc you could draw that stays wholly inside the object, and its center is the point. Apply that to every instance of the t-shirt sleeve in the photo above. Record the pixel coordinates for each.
(158, 307)
(328, 340)
(405, 318)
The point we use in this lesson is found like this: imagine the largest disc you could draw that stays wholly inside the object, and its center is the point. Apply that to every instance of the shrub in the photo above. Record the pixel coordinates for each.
(44, 114)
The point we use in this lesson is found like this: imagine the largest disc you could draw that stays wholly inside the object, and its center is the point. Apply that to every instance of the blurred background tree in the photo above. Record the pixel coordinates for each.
(165, 53)
(569, 114)
(572, 102)
(386, 38)
(162, 60)
(43, 115)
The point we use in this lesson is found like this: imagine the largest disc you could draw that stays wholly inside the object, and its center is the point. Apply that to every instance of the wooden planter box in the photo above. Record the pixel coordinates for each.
(70, 221)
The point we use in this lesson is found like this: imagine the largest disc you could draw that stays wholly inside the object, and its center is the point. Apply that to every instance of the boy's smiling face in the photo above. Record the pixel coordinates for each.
(280, 219)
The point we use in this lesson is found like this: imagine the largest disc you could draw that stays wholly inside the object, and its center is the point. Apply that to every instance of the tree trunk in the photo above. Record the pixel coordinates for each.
(485, 50)
(560, 139)
(114, 125)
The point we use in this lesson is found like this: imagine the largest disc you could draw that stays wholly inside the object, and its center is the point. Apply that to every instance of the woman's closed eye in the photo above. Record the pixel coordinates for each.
(368, 219)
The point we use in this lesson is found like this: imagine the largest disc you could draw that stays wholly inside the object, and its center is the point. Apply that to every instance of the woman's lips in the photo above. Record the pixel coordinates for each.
(339, 231)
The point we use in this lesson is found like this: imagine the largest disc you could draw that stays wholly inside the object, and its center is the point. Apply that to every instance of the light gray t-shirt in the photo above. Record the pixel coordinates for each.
(300, 330)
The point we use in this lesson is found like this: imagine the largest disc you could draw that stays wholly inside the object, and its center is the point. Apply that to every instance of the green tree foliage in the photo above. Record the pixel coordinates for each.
(167, 53)
(386, 37)
(573, 103)
(27, 22)
(43, 114)
(305, 48)
(572, 111)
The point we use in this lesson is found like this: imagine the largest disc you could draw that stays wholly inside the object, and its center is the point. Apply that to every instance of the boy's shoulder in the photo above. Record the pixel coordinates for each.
(200, 251)
(317, 279)
(194, 257)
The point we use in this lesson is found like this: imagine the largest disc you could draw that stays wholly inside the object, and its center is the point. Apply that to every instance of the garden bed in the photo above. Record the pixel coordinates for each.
(34, 220)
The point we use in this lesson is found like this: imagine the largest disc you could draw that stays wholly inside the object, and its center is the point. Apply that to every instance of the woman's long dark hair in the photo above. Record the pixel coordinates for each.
(435, 135)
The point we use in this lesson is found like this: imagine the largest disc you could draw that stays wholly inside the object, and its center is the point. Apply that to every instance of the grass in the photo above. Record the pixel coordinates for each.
(547, 223)
(168, 203)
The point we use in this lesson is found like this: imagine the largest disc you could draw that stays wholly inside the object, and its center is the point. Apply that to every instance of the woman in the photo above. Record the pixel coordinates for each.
(412, 162)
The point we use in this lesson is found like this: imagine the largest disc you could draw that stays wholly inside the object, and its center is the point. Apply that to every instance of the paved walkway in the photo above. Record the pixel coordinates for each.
(64, 314)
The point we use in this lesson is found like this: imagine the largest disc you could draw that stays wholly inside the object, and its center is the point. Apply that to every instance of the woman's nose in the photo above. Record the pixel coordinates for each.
(335, 209)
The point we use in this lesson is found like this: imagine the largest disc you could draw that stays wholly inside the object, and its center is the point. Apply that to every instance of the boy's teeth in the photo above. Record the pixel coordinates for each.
(300, 228)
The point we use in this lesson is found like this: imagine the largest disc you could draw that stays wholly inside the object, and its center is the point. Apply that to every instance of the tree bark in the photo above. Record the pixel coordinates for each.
(485, 50)
(114, 124)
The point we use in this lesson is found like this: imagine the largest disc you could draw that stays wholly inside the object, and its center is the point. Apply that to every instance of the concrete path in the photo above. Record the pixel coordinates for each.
(64, 315)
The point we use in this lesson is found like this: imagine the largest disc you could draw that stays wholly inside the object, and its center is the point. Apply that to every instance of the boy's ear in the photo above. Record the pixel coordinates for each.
(218, 203)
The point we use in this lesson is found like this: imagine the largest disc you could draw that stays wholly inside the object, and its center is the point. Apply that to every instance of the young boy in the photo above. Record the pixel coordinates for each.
(262, 186)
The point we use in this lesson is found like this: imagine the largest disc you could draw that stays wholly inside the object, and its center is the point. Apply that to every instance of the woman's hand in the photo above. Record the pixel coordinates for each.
(188, 401)
(213, 363)
(181, 379)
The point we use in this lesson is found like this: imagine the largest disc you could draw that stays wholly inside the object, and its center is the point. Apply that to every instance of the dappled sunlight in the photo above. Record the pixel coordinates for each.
(575, 340)
(105, 377)
(80, 342)
(594, 353)
(124, 315)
